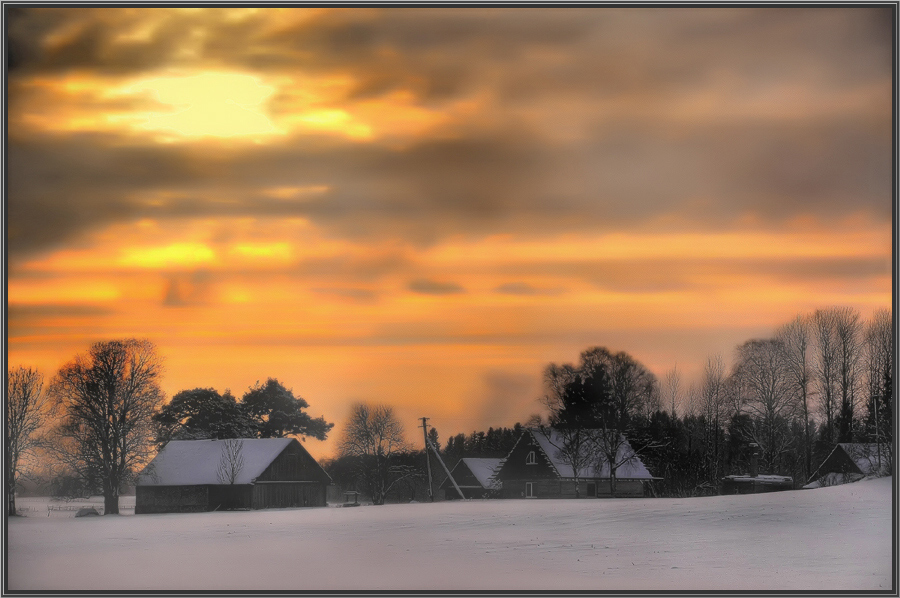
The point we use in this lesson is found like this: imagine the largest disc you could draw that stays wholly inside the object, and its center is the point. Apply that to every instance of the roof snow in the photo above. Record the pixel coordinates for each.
(631, 467)
(865, 456)
(483, 470)
(193, 462)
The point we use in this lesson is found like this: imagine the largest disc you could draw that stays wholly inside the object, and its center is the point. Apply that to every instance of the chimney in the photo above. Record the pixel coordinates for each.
(754, 460)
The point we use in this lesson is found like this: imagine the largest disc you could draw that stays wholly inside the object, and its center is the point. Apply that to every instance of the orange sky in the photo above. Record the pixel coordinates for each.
(424, 207)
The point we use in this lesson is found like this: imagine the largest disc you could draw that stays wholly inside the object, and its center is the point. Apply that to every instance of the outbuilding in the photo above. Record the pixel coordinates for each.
(248, 473)
(536, 468)
(475, 478)
(851, 461)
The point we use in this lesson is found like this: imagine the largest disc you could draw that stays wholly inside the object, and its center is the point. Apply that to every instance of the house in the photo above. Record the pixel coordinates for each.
(851, 461)
(475, 477)
(262, 473)
(535, 468)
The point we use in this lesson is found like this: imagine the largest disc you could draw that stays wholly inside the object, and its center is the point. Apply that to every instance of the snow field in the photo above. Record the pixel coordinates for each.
(836, 538)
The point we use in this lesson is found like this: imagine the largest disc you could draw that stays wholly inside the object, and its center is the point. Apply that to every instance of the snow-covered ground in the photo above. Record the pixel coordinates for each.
(835, 538)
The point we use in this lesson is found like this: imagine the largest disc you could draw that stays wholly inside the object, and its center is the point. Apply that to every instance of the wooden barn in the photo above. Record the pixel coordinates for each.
(851, 461)
(261, 473)
(475, 477)
(534, 468)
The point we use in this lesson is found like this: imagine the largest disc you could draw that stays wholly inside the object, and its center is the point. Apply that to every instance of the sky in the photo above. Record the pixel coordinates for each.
(423, 207)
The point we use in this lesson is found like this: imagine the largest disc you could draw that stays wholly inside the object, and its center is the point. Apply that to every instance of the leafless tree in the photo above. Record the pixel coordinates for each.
(231, 462)
(673, 385)
(107, 397)
(712, 401)
(879, 363)
(373, 434)
(796, 338)
(761, 368)
(826, 370)
(27, 412)
(848, 331)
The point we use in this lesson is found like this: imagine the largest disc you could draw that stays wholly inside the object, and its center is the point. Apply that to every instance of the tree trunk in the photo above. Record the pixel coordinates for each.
(11, 501)
(110, 498)
(612, 482)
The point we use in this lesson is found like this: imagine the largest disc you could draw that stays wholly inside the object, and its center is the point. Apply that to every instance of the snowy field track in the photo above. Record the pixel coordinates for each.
(837, 538)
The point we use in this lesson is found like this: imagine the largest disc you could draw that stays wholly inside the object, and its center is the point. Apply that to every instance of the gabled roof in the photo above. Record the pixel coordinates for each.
(196, 462)
(550, 441)
(483, 470)
(865, 455)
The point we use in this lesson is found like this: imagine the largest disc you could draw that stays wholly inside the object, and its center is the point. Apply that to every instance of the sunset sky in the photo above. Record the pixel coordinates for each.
(425, 206)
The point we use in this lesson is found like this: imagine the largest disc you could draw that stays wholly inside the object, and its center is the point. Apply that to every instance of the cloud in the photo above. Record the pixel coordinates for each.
(553, 120)
(432, 287)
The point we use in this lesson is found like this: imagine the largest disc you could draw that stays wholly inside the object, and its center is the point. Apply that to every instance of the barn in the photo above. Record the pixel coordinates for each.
(534, 468)
(261, 473)
(475, 477)
(851, 461)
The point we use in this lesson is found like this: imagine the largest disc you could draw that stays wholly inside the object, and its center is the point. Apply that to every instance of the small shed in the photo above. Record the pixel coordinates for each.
(851, 461)
(260, 473)
(754, 484)
(475, 477)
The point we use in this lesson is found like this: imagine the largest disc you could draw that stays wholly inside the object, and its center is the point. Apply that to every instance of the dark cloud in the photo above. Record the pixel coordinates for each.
(523, 288)
(609, 77)
(434, 287)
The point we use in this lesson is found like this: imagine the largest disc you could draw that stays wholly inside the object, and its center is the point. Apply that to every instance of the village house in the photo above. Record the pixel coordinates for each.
(535, 468)
(261, 473)
(475, 478)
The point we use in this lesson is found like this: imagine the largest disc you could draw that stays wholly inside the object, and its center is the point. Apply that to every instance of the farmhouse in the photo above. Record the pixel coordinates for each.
(851, 461)
(535, 468)
(475, 477)
(262, 473)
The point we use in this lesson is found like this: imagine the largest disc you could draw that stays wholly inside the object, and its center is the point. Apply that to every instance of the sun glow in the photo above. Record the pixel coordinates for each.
(213, 104)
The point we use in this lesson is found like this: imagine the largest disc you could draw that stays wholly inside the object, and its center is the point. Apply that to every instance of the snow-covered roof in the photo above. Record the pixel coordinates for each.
(483, 470)
(192, 462)
(865, 455)
(631, 467)
(762, 479)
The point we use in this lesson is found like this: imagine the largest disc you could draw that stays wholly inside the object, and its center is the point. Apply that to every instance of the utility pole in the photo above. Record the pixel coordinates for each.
(427, 460)
(441, 461)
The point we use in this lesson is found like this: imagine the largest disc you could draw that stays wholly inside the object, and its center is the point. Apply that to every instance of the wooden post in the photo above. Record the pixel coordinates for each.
(427, 460)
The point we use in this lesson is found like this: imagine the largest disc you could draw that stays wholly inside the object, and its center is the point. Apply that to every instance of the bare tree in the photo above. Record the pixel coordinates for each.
(27, 411)
(796, 338)
(879, 363)
(231, 462)
(761, 368)
(848, 331)
(826, 370)
(673, 385)
(374, 435)
(712, 397)
(108, 396)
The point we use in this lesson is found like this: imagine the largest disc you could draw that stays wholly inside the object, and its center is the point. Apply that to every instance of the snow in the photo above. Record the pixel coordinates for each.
(836, 538)
(634, 469)
(483, 470)
(188, 462)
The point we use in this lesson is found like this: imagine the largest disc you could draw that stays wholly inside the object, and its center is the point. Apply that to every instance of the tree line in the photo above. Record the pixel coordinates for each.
(822, 378)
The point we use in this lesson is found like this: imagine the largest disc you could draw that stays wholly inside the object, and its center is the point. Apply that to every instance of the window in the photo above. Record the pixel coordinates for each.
(531, 459)
(529, 489)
